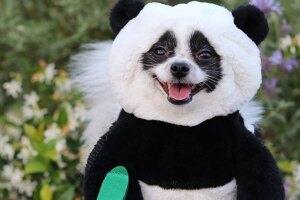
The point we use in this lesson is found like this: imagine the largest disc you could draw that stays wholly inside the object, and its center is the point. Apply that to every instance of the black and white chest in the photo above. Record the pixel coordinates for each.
(179, 162)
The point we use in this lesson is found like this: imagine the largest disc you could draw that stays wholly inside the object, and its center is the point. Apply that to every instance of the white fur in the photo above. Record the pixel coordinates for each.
(137, 92)
(90, 74)
(225, 192)
(252, 115)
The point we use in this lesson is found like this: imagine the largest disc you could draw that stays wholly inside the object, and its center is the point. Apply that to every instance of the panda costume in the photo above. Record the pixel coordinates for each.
(171, 98)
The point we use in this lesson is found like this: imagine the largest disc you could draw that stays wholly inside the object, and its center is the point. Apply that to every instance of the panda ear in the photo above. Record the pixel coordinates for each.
(251, 21)
(123, 12)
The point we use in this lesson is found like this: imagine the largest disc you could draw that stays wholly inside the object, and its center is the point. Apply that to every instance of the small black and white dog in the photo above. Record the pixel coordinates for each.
(177, 84)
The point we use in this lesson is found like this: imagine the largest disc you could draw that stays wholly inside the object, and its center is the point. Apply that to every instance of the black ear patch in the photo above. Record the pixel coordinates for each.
(251, 21)
(123, 12)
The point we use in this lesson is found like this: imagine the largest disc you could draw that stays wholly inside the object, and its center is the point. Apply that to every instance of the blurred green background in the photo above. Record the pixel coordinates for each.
(42, 116)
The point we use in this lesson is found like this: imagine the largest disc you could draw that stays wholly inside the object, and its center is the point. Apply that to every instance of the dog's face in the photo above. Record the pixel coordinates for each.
(188, 64)
(181, 69)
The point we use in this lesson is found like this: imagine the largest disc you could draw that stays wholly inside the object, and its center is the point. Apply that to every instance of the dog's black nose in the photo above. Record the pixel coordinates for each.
(180, 70)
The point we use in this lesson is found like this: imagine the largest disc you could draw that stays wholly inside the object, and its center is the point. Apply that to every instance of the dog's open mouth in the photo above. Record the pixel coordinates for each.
(180, 93)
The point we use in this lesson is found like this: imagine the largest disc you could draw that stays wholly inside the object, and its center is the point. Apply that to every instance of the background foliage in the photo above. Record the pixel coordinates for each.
(41, 116)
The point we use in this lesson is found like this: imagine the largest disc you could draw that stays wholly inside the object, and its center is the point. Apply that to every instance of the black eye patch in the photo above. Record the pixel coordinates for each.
(159, 52)
(207, 59)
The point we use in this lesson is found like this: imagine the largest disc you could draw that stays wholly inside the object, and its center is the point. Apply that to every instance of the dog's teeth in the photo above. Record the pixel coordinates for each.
(168, 86)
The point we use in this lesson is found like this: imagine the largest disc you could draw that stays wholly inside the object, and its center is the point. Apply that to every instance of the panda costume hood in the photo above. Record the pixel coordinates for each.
(240, 62)
(171, 99)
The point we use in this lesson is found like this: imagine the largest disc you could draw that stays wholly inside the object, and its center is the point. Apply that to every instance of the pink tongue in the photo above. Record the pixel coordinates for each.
(179, 92)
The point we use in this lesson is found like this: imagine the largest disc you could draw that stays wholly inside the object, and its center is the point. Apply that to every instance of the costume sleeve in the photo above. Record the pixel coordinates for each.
(257, 175)
(115, 148)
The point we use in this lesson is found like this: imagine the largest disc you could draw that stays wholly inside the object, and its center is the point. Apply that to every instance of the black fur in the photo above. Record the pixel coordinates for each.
(166, 41)
(212, 67)
(251, 21)
(123, 12)
(207, 155)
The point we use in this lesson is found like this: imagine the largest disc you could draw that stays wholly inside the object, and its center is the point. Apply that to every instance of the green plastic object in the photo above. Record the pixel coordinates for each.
(114, 185)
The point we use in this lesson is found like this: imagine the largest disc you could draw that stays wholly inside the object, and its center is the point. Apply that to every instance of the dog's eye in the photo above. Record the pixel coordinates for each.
(205, 55)
(159, 51)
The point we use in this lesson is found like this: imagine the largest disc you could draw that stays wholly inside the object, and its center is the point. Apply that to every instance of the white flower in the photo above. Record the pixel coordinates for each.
(62, 176)
(14, 117)
(75, 115)
(31, 99)
(23, 187)
(13, 132)
(27, 150)
(30, 112)
(7, 150)
(52, 132)
(60, 162)
(17, 176)
(27, 187)
(285, 42)
(14, 175)
(293, 49)
(50, 72)
(7, 171)
(13, 195)
(25, 141)
(60, 145)
(15, 183)
(297, 176)
(80, 113)
(13, 88)
(39, 113)
(73, 123)
(63, 86)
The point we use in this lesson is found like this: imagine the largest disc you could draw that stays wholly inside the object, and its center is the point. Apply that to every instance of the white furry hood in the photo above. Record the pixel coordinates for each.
(135, 90)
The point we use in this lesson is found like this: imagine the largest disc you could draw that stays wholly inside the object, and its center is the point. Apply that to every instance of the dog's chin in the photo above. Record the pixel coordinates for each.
(179, 93)
(180, 102)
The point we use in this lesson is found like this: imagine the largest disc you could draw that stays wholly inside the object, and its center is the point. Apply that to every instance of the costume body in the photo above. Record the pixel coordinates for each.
(218, 159)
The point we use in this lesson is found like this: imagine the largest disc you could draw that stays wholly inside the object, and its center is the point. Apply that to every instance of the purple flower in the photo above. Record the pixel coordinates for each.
(270, 86)
(284, 64)
(290, 64)
(276, 58)
(286, 186)
(265, 63)
(285, 27)
(267, 6)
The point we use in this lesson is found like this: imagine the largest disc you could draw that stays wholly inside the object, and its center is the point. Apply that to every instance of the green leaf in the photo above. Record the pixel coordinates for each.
(34, 165)
(63, 117)
(30, 130)
(46, 192)
(33, 133)
(41, 128)
(49, 150)
(38, 146)
(51, 154)
(66, 194)
(285, 166)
